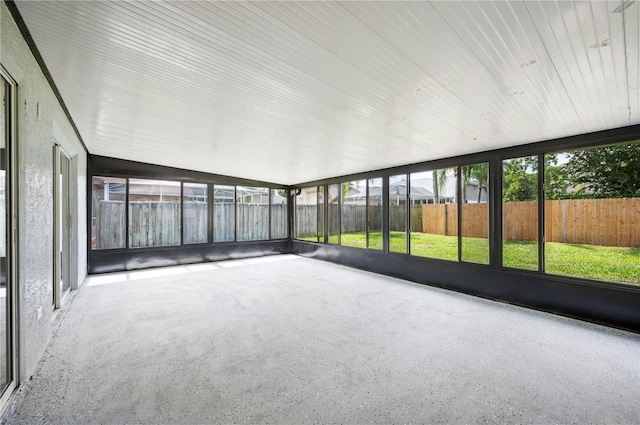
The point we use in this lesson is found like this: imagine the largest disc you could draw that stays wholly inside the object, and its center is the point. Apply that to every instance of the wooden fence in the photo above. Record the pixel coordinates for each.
(397, 218)
(353, 218)
(154, 224)
(279, 223)
(306, 221)
(195, 223)
(224, 222)
(253, 222)
(442, 219)
(158, 223)
(607, 222)
(520, 222)
(109, 226)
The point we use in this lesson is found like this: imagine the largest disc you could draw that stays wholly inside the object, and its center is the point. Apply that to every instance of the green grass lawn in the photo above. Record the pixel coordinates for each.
(613, 264)
(608, 263)
(308, 238)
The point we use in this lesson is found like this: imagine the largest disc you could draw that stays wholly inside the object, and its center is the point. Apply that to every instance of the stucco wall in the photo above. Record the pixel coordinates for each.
(41, 120)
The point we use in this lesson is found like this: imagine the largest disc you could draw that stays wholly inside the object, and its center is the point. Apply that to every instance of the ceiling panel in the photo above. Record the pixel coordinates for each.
(289, 92)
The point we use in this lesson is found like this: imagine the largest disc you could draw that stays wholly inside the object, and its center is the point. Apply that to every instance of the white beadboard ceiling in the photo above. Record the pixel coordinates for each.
(289, 92)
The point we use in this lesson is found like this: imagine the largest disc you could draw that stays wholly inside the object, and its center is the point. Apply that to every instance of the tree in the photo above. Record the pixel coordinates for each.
(606, 172)
(520, 179)
(347, 186)
(438, 183)
(434, 183)
(478, 173)
(556, 179)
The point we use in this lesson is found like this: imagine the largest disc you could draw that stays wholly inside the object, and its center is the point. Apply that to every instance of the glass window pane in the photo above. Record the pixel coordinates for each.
(154, 213)
(224, 213)
(279, 213)
(306, 214)
(374, 213)
(321, 214)
(252, 213)
(520, 213)
(434, 214)
(108, 226)
(592, 213)
(475, 213)
(353, 220)
(195, 213)
(333, 198)
(398, 213)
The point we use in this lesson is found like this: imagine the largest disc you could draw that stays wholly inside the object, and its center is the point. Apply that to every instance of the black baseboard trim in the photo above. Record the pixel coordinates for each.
(108, 261)
(606, 304)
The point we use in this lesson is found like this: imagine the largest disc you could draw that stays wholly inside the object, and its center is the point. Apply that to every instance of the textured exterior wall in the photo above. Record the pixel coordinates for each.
(41, 120)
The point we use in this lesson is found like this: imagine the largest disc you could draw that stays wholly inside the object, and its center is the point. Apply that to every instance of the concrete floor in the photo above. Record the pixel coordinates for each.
(292, 340)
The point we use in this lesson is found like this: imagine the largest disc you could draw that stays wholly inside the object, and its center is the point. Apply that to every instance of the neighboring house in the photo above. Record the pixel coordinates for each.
(447, 194)
(149, 190)
(307, 196)
(356, 196)
(420, 193)
(471, 193)
(247, 195)
(169, 191)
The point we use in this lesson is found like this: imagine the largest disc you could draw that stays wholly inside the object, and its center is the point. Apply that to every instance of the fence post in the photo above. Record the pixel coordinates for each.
(563, 209)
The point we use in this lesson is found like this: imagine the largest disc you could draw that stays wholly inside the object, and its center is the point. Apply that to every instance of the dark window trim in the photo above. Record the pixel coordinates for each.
(209, 212)
(99, 166)
(494, 158)
(325, 216)
(114, 167)
(293, 206)
(541, 214)
(407, 213)
(386, 226)
(210, 216)
(599, 302)
(235, 213)
(540, 211)
(269, 213)
(601, 138)
(366, 214)
(182, 213)
(126, 214)
(459, 208)
(136, 248)
(328, 216)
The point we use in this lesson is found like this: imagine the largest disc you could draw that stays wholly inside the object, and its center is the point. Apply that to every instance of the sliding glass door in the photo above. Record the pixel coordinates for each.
(7, 284)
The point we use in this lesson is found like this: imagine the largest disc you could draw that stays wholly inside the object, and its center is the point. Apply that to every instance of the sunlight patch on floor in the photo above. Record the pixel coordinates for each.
(106, 279)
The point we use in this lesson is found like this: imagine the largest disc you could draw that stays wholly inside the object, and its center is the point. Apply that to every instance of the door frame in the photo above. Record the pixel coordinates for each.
(59, 295)
(12, 240)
